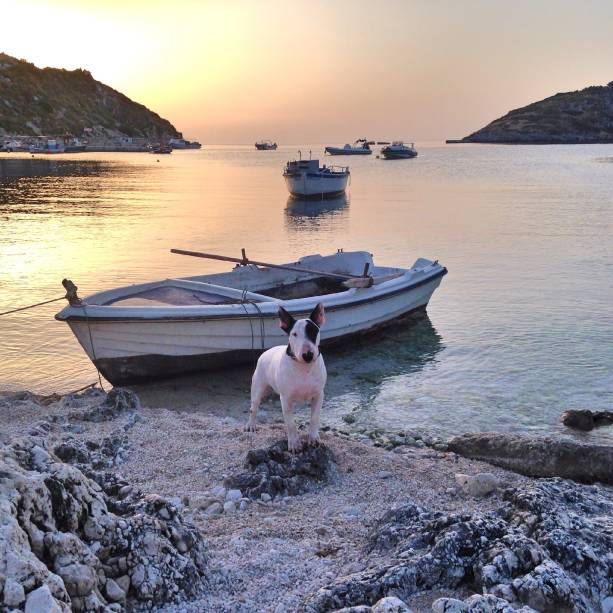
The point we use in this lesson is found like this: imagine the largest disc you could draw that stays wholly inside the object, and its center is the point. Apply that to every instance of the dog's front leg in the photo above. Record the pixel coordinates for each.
(316, 405)
(293, 440)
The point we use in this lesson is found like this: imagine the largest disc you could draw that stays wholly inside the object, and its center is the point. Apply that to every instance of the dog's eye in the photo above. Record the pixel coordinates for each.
(294, 334)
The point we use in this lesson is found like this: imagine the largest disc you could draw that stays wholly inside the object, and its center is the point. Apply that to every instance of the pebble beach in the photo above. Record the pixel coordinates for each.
(275, 553)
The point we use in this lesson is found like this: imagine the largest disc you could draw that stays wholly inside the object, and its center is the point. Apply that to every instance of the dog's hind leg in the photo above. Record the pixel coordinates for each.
(293, 440)
(316, 405)
(259, 387)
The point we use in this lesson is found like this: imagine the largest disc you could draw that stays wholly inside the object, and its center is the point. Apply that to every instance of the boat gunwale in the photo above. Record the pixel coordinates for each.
(206, 312)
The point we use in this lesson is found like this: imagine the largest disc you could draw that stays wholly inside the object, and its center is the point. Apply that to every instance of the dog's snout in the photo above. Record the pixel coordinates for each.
(307, 356)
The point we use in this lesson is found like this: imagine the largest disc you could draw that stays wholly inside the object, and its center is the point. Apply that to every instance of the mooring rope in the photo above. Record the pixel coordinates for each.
(31, 306)
(91, 340)
(261, 318)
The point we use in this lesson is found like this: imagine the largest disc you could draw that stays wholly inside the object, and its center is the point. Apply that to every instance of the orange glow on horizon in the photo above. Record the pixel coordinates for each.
(236, 71)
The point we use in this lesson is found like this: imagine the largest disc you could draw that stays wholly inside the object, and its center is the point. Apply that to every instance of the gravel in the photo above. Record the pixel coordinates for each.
(265, 555)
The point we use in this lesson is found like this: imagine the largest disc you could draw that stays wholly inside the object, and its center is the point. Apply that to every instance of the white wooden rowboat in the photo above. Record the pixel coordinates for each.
(175, 326)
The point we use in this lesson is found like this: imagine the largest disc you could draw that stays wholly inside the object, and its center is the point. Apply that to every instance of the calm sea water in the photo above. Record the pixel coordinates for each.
(520, 329)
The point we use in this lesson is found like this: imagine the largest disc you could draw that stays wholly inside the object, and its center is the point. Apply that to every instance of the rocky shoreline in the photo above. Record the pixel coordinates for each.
(106, 505)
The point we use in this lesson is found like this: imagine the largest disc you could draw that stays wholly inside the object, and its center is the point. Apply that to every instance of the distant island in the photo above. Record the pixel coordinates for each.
(584, 116)
(52, 102)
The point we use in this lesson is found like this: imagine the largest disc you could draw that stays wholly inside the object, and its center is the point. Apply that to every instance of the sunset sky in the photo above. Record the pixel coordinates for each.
(232, 71)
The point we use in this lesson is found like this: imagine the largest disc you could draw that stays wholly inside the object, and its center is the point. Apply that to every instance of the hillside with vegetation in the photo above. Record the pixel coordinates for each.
(583, 116)
(53, 101)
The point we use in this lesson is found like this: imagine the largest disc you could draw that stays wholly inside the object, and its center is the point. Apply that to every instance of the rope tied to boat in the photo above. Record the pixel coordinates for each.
(31, 306)
(73, 300)
(71, 296)
(91, 340)
(243, 301)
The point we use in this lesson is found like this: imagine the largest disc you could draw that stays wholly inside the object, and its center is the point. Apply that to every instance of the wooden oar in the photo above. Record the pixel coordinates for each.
(348, 280)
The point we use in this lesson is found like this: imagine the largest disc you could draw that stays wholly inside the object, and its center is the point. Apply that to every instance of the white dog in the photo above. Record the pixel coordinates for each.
(296, 372)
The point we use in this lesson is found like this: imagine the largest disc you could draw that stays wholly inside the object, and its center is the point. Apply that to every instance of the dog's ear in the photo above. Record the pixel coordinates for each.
(318, 315)
(286, 321)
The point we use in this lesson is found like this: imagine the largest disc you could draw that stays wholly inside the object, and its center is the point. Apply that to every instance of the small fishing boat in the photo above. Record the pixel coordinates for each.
(360, 147)
(307, 179)
(398, 150)
(176, 326)
(265, 145)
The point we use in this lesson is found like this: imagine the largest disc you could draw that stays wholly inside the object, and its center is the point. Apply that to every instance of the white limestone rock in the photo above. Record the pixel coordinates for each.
(477, 485)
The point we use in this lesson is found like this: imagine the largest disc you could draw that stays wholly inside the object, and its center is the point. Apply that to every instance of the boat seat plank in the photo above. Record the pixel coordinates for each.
(222, 290)
(171, 295)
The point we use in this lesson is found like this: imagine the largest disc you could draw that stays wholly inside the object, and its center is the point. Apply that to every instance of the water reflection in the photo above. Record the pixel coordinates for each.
(316, 214)
(357, 372)
(34, 186)
(17, 168)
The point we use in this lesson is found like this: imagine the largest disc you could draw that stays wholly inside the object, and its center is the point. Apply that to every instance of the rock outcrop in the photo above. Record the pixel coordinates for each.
(117, 402)
(277, 472)
(88, 542)
(538, 456)
(584, 116)
(548, 547)
(35, 101)
(584, 419)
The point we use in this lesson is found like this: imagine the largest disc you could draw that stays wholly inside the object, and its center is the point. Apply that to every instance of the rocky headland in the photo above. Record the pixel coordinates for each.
(583, 116)
(51, 101)
(107, 505)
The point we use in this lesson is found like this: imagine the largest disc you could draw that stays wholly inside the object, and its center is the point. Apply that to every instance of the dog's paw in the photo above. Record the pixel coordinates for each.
(294, 445)
(250, 427)
(313, 440)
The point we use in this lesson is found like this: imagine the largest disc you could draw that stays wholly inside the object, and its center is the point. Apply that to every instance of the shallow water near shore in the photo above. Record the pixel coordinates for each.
(520, 329)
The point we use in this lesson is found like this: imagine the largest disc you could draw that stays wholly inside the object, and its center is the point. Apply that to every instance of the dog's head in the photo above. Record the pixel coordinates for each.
(303, 333)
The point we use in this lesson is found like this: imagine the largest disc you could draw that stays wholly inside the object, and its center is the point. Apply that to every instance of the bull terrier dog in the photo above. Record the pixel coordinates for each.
(295, 371)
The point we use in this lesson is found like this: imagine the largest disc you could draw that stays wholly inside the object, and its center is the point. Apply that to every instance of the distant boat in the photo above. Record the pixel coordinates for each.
(398, 150)
(181, 143)
(306, 179)
(51, 146)
(11, 145)
(74, 145)
(161, 149)
(360, 147)
(265, 145)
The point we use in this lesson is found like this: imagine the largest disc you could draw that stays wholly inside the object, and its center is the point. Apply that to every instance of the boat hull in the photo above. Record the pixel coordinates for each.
(342, 151)
(152, 367)
(398, 155)
(316, 186)
(131, 350)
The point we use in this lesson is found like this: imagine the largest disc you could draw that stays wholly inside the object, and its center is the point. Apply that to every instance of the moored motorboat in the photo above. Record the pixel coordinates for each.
(175, 326)
(265, 145)
(398, 150)
(360, 147)
(307, 179)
